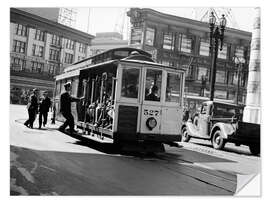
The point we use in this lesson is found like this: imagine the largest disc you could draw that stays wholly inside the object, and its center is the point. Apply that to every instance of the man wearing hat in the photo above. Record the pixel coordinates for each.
(44, 107)
(32, 107)
(65, 108)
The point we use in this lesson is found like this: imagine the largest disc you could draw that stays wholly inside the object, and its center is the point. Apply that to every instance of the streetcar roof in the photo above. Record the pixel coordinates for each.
(67, 74)
(75, 72)
(151, 63)
(130, 49)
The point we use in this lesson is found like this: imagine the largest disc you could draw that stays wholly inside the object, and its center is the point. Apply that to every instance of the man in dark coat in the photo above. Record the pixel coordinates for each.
(153, 96)
(32, 109)
(65, 108)
(44, 107)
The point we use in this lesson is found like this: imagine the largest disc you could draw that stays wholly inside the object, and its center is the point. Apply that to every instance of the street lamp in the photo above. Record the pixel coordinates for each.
(216, 34)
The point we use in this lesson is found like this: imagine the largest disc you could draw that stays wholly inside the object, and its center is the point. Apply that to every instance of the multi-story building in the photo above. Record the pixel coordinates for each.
(184, 43)
(107, 40)
(39, 50)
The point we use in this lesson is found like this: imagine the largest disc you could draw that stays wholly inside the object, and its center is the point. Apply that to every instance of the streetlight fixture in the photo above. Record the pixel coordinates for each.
(216, 34)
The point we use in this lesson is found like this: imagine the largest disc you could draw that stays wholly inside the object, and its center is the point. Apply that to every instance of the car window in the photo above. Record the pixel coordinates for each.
(224, 112)
(203, 109)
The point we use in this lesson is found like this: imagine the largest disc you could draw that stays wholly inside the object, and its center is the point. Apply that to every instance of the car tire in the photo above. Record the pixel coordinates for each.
(185, 135)
(217, 141)
(255, 149)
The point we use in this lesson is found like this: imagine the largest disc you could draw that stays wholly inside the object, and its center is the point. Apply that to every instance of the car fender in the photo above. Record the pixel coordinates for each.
(226, 129)
(191, 129)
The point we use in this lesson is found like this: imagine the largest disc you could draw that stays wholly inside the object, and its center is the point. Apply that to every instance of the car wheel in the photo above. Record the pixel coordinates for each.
(185, 135)
(217, 141)
(255, 149)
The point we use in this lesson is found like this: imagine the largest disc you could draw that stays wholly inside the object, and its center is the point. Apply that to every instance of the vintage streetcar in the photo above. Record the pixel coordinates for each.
(127, 97)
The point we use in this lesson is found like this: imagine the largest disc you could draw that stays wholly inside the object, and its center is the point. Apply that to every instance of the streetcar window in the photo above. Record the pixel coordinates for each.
(173, 88)
(130, 83)
(153, 85)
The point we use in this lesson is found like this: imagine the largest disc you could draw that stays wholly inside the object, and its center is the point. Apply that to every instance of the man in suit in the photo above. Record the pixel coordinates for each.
(44, 107)
(65, 108)
(32, 108)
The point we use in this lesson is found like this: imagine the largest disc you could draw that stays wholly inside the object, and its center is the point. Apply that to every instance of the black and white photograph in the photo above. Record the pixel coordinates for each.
(134, 101)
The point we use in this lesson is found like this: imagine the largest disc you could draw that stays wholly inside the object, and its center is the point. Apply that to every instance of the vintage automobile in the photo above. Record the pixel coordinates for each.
(222, 122)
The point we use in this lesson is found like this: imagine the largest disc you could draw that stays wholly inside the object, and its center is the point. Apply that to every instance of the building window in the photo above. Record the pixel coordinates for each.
(190, 71)
(69, 44)
(239, 54)
(168, 41)
(223, 53)
(204, 47)
(202, 72)
(52, 68)
(220, 94)
(185, 43)
(232, 78)
(39, 35)
(80, 58)
(37, 50)
(68, 58)
(18, 64)
(37, 67)
(54, 55)
(18, 46)
(136, 36)
(55, 40)
(220, 76)
(150, 36)
(82, 48)
(20, 30)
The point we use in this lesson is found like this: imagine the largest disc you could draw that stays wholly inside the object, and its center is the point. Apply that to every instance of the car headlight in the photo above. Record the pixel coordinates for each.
(151, 123)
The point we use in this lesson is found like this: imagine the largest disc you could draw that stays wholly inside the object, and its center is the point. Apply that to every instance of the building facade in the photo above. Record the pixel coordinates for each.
(107, 40)
(39, 50)
(184, 43)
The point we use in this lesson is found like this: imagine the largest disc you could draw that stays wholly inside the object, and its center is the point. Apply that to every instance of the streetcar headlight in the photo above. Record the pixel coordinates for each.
(151, 123)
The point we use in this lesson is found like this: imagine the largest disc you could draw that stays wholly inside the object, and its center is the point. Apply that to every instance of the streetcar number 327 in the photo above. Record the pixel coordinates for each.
(150, 112)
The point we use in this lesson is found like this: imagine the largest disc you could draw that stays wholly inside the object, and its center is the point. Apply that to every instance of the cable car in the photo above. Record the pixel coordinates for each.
(127, 97)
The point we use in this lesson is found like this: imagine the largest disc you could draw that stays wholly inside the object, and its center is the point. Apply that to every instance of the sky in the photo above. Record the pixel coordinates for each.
(102, 19)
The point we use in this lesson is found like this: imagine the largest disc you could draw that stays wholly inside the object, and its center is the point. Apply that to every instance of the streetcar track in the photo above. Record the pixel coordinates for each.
(199, 172)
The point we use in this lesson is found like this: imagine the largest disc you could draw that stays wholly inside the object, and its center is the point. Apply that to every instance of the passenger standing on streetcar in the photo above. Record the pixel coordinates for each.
(44, 107)
(32, 108)
(65, 108)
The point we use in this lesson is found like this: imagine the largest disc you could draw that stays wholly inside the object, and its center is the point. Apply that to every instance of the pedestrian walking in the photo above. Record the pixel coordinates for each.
(44, 107)
(65, 108)
(32, 108)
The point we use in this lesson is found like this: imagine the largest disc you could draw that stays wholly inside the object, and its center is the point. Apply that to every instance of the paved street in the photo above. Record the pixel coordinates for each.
(48, 162)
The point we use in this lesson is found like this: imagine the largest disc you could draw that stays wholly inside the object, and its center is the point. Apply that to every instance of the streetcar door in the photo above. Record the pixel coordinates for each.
(152, 100)
(172, 109)
(127, 105)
